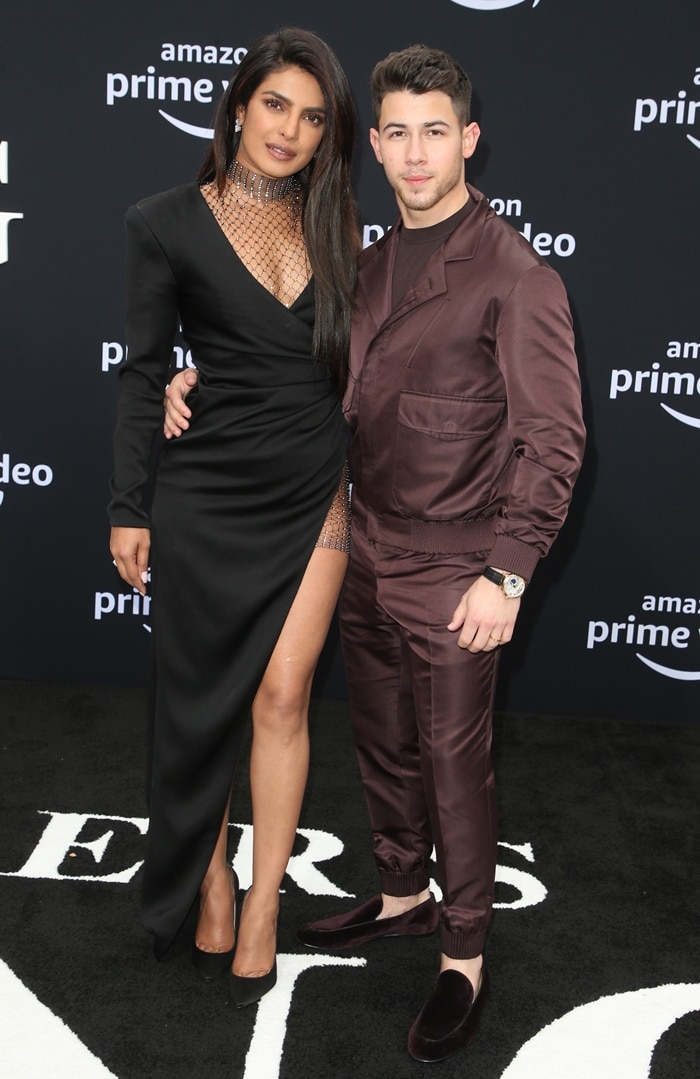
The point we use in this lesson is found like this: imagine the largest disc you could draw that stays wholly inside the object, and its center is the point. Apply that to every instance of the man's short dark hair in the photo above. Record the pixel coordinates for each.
(419, 70)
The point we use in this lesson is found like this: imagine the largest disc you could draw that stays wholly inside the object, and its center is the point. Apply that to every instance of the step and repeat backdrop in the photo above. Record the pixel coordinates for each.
(590, 118)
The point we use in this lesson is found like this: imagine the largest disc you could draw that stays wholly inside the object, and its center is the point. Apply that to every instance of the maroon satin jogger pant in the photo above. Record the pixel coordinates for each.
(421, 710)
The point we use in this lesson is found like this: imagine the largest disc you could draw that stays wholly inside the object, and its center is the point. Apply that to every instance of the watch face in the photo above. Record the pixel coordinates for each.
(513, 586)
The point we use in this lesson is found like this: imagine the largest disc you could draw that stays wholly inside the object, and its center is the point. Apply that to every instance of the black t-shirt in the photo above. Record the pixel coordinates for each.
(415, 248)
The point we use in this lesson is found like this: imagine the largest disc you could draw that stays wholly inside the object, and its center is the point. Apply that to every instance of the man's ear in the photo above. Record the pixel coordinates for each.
(374, 140)
(470, 137)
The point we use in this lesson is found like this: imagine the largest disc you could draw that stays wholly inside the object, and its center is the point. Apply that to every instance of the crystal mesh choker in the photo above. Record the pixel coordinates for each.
(261, 188)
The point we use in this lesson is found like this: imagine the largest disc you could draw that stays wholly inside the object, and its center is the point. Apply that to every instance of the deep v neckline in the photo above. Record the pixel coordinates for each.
(229, 244)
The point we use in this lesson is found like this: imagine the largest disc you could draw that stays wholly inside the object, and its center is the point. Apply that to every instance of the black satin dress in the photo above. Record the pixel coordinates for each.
(240, 499)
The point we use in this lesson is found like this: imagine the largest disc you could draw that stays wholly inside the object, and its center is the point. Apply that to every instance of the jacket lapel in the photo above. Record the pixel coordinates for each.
(374, 281)
(373, 313)
(376, 278)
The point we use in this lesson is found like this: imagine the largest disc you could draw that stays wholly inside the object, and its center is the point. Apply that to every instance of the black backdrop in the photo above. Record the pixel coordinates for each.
(590, 117)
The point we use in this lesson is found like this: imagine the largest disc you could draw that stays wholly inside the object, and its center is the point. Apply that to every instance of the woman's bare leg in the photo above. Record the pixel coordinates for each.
(279, 760)
(215, 930)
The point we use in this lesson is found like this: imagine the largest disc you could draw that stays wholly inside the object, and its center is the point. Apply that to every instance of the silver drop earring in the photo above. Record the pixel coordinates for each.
(237, 126)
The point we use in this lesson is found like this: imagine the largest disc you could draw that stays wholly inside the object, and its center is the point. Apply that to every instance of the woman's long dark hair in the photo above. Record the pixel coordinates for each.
(329, 217)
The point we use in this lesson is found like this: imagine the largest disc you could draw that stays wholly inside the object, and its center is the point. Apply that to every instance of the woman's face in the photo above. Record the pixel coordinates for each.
(283, 123)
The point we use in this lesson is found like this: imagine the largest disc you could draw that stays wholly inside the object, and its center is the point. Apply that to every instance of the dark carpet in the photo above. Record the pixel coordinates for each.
(594, 953)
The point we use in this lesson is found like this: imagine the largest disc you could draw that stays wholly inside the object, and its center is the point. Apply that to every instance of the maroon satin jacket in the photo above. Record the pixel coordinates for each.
(464, 402)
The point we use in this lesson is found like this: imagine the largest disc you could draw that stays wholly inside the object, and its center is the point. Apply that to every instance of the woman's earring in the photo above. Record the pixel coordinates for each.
(237, 125)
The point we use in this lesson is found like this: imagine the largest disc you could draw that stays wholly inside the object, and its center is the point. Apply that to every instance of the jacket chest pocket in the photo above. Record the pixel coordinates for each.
(444, 454)
(449, 418)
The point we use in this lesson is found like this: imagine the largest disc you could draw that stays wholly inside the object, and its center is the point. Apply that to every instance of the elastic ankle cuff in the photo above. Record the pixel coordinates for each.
(462, 945)
(403, 884)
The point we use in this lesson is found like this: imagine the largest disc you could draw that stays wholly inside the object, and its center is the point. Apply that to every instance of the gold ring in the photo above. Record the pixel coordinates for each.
(496, 639)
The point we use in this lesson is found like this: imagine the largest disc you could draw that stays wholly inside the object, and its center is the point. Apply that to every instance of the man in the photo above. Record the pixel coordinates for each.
(464, 406)
(467, 437)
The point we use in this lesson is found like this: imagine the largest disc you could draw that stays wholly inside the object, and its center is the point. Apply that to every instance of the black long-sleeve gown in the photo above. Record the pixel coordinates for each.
(239, 501)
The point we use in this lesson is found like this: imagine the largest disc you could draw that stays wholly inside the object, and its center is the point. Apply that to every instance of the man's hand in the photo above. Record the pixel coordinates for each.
(130, 547)
(177, 413)
(485, 616)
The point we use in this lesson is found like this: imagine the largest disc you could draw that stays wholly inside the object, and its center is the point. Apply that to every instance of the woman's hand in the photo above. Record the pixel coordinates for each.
(177, 413)
(130, 547)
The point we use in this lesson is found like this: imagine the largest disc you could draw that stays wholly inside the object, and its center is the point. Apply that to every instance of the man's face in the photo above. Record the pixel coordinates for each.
(422, 146)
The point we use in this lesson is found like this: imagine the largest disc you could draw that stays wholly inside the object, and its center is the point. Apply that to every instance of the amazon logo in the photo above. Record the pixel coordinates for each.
(493, 5)
(679, 111)
(646, 634)
(179, 92)
(681, 384)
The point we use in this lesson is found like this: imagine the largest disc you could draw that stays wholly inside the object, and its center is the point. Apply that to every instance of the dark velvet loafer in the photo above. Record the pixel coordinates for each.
(450, 1019)
(361, 925)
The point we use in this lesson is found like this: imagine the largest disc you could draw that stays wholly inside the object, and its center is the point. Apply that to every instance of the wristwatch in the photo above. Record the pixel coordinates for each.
(510, 584)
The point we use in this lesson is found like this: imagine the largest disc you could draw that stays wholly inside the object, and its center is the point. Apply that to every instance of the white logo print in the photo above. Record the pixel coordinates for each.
(663, 632)
(5, 216)
(680, 383)
(546, 244)
(679, 111)
(492, 5)
(189, 129)
(114, 353)
(612, 1037)
(185, 90)
(23, 474)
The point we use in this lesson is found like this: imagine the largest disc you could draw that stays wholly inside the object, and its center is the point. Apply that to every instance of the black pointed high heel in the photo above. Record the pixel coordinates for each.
(243, 991)
(211, 965)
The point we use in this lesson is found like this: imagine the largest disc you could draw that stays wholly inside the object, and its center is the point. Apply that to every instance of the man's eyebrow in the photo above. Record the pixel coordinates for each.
(428, 123)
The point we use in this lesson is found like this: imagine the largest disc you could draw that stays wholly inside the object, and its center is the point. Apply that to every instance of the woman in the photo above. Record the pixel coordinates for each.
(256, 261)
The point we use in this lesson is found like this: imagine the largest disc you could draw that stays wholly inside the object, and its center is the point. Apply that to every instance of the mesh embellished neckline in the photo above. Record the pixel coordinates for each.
(261, 219)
